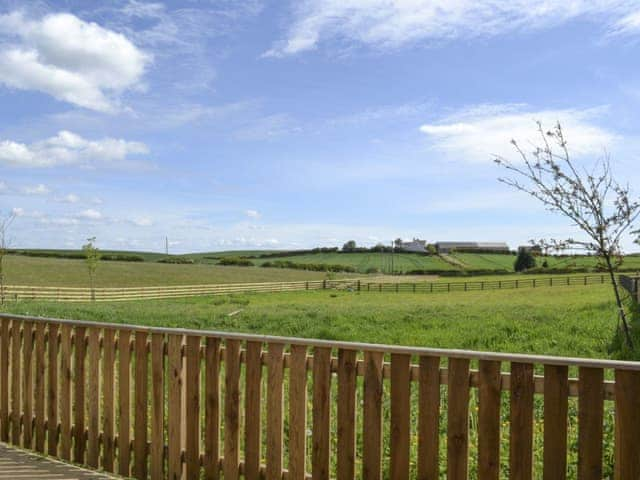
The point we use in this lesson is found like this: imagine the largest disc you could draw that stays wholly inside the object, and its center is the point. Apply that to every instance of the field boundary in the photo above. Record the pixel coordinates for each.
(148, 421)
(110, 294)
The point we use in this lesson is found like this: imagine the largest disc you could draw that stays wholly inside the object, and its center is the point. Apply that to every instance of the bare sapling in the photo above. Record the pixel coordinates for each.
(600, 207)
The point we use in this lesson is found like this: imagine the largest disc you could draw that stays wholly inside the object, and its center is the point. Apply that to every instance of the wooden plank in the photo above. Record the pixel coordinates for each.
(400, 415)
(429, 419)
(192, 453)
(458, 419)
(521, 425)
(253, 435)
(321, 413)
(93, 403)
(232, 410)
(174, 429)
(16, 375)
(590, 418)
(157, 406)
(52, 390)
(108, 412)
(297, 412)
(65, 392)
(212, 409)
(80, 351)
(4, 379)
(346, 414)
(140, 460)
(372, 417)
(489, 379)
(627, 402)
(556, 396)
(27, 384)
(275, 374)
(124, 402)
(39, 378)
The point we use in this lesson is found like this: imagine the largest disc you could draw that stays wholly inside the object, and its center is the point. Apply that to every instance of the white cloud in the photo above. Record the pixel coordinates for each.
(68, 148)
(17, 211)
(142, 221)
(479, 133)
(69, 198)
(252, 213)
(39, 189)
(72, 60)
(90, 214)
(389, 24)
(627, 25)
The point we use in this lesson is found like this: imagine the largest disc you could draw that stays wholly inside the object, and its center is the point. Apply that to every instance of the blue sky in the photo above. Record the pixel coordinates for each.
(263, 124)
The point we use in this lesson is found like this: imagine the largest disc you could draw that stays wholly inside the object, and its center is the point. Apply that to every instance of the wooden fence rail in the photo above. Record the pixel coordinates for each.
(80, 294)
(169, 403)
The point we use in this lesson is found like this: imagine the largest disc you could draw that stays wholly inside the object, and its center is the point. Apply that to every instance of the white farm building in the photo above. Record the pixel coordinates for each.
(447, 247)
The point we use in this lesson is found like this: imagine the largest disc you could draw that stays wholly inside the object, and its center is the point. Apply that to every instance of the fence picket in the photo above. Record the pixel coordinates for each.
(346, 414)
(27, 385)
(16, 381)
(429, 419)
(52, 390)
(321, 413)
(458, 419)
(297, 411)
(192, 385)
(174, 429)
(124, 402)
(212, 409)
(39, 379)
(489, 420)
(156, 460)
(400, 415)
(93, 403)
(556, 395)
(79, 437)
(521, 425)
(253, 431)
(141, 383)
(65, 392)
(627, 401)
(275, 372)
(4, 380)
(590, 417)
(108, 407)
(372, 416)
(232, 410)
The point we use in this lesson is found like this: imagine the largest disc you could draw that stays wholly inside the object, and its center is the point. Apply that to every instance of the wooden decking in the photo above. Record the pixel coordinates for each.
(20, 465)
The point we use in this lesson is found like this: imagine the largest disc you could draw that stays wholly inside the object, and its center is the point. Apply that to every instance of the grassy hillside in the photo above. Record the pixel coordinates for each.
(21, 270)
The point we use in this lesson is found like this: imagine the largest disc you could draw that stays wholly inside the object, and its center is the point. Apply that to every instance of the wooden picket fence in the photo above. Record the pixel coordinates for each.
(168, 403)
(110, 294)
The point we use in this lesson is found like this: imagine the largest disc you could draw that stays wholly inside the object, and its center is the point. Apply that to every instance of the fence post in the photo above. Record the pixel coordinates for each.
(517, 284)
(358, 285)
(585, 279)
(534, 283)
(324, 284)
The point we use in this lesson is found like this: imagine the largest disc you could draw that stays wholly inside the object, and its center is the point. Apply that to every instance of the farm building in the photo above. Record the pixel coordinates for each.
(415, 245)
(447, 247)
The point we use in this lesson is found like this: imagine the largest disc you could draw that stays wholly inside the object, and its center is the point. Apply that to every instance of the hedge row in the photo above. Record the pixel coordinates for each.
(315, 267)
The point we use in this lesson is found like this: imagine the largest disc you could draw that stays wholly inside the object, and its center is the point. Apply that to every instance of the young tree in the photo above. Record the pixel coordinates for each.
(350, 246)
(5, 223)
(592, 200)
(92, 258)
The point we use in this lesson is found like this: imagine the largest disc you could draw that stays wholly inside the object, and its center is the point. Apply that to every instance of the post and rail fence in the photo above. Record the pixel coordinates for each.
(189, 404)
(632, 285)
(110, 294)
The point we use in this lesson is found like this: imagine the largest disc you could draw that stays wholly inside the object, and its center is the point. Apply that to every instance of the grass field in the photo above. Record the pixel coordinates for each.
(21, 270)
(571, 321)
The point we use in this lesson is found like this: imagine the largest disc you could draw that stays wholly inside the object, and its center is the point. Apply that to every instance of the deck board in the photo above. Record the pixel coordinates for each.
(19, 464)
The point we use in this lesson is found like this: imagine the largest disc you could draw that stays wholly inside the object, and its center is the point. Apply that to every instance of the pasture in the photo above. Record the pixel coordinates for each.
(569, 321)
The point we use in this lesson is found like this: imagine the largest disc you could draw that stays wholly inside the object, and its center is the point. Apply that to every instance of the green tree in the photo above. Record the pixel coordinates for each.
(524, 261)
(92, 259)
(350, 246)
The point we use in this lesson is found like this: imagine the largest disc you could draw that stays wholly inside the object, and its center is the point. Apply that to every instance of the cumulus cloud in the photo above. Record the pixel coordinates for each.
(68, 148)
(39, 189)
(90, 214)
(389, 24)
(252, 213)
(69, 198)
(478, 133)
(72, 60)
(627, 25)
